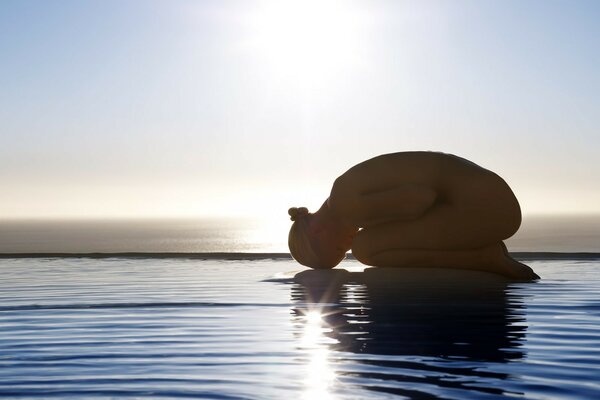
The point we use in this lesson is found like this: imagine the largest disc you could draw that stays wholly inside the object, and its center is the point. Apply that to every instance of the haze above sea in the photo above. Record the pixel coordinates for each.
(538, 233)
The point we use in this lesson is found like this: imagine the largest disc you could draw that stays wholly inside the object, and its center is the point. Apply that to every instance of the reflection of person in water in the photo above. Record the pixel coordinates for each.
(470, 316)
(413, 209)
(388, 312)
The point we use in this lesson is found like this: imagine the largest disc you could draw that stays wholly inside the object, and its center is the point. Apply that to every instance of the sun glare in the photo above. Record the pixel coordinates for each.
(320, 375)
(307, 41)
(270, 235)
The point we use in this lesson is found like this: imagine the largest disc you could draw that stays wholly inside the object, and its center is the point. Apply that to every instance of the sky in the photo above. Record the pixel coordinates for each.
(245, 108)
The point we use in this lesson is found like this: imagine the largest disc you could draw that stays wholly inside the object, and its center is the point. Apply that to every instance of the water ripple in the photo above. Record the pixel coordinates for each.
(215, 329)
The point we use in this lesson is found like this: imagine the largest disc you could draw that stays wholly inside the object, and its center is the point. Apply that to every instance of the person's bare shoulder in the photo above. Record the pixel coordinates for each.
(397, 161)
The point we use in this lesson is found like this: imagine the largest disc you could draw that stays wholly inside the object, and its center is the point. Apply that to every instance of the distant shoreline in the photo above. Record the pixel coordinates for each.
(535, 255)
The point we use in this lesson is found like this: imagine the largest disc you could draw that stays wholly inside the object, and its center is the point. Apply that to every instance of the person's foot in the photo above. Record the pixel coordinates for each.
(502, 263)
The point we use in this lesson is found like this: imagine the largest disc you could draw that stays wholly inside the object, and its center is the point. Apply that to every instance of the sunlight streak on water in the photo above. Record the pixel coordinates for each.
(320, 374)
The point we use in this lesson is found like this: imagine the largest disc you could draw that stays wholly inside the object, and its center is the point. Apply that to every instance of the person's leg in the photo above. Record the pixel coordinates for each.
(492, 258)
(468, 223)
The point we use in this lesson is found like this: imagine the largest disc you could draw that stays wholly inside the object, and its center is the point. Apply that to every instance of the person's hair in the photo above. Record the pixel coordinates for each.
(299, 239)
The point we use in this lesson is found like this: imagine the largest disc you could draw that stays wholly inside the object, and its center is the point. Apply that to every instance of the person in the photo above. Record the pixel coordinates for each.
(413, 209)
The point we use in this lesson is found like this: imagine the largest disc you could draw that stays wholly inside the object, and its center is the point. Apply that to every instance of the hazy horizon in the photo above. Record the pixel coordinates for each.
(183, 109)
(246, 235)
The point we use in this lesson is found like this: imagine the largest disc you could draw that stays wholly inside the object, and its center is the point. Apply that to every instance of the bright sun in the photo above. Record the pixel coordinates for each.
(307, 41)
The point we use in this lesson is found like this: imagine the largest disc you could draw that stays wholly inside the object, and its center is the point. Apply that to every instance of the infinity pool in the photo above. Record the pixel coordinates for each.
(235, 329)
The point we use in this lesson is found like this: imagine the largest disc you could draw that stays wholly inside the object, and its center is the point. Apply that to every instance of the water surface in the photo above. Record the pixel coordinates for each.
(246, 329)
(537, 234)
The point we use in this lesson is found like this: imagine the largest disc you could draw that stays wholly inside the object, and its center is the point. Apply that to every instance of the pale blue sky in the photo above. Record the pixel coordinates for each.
(177, 108)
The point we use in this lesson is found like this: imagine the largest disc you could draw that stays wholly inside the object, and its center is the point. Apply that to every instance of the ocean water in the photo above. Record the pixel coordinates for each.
(142, 235)
(256, 329)
(537, 233)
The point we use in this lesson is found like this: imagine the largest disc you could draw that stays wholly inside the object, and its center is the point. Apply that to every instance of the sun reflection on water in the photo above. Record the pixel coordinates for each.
(320, 374)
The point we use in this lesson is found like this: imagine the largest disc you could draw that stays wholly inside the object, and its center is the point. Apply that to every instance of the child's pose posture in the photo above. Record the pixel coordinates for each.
(413, 209)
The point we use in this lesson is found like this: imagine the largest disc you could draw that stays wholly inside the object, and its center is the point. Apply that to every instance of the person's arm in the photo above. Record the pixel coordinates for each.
(401, 203)
(396, 203)
(392, 186)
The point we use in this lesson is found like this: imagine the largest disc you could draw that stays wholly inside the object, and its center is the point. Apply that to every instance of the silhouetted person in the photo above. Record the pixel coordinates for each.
(413, 209)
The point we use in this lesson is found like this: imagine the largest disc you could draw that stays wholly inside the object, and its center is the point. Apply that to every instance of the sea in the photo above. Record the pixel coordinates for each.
(216, 309)
(538, 233)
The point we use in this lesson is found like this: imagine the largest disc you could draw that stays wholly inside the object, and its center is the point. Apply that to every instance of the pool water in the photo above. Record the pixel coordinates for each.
(233, 329)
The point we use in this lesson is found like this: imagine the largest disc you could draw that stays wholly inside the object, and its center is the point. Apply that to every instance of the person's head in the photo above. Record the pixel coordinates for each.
(310, 241)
